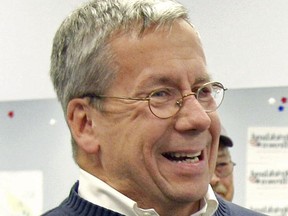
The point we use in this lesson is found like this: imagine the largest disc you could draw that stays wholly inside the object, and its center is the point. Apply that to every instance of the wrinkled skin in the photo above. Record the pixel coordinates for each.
(125, 145)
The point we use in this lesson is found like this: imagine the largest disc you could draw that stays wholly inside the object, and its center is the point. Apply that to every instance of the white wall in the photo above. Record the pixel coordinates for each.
(240, 110)
(246, 42)
(27, 29)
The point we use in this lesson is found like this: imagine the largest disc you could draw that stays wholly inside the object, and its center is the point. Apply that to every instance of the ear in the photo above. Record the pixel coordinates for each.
(79, 119)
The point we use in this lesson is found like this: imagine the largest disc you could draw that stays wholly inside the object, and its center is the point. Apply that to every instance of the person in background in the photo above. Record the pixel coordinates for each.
(222, 180)
(140, 104)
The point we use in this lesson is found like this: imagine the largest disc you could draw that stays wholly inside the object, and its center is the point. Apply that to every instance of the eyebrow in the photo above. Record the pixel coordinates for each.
(159, 79)
(203, 79)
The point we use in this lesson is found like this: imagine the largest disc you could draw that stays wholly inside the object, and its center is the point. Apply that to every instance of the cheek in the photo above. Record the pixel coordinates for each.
(134, 134)
(230, 183)
(214, 129)
(213, 159)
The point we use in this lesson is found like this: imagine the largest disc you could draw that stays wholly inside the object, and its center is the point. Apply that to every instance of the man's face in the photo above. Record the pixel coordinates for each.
(156, 161)
(224, 186)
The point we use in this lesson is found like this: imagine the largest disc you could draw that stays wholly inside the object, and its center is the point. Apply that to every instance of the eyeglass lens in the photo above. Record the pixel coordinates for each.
(224, 169)
(166, 102)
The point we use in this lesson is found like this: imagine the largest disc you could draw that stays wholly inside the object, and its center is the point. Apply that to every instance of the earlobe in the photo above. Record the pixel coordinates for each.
(79, 119)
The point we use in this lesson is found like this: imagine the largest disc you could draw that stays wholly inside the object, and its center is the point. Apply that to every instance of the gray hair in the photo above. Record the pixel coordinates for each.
(81, 61)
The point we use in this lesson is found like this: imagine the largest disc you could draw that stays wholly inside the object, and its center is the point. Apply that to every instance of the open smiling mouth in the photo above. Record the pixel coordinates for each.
(183, 157)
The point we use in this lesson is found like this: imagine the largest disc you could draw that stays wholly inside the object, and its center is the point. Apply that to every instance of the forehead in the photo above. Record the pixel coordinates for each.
(161, 55)
(223, 153)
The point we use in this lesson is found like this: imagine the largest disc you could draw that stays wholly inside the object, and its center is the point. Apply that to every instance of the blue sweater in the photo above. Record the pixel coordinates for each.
(74, 205)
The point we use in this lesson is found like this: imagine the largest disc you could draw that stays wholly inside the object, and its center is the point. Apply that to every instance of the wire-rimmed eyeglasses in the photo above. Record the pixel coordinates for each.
(224, 169)
(166, 102)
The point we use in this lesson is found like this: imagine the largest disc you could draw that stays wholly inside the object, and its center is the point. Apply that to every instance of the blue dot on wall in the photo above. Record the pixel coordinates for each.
(281, 108)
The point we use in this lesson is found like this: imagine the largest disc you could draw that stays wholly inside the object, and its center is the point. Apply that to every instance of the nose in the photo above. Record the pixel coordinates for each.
(192, 116)
(215, 179)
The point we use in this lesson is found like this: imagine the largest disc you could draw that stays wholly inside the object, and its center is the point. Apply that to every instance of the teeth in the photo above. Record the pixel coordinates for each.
(178, 155)
(183, 157)
(194, 160)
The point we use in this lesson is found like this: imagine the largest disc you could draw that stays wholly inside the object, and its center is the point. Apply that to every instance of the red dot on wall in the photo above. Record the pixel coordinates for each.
(284, 99)
(10, 114)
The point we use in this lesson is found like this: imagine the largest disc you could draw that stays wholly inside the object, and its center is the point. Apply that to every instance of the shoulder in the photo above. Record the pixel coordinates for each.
(230, 209)
(74, 205)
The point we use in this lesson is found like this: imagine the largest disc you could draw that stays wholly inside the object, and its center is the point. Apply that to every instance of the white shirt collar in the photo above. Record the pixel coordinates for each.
(209, 204)
(98, 192)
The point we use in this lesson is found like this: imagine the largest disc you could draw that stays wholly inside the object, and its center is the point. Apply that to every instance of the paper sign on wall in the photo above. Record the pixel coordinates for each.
(267, 170)
(21, 193)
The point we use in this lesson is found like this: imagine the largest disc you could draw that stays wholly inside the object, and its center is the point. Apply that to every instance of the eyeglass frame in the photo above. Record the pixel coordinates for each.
(224, 175)
(179, 101)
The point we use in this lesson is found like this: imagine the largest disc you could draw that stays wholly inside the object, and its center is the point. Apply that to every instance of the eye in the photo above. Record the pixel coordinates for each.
(205, 91)
(164, 94)
(160, 93)
(223, 164)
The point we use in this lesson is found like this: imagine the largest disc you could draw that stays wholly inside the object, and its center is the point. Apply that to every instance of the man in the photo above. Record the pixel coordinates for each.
(132, 80)
(222, 180)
